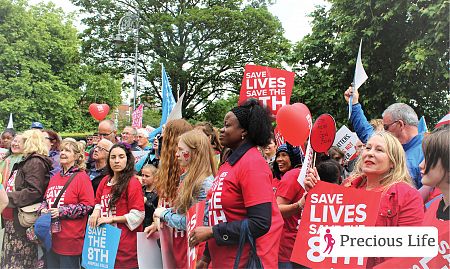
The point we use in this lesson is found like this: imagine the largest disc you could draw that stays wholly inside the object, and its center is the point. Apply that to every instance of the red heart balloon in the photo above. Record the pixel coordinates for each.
(99, 111)
(294, 123)
(323, 133)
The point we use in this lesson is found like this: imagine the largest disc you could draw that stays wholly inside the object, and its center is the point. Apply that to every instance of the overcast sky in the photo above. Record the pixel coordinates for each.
(291, 13)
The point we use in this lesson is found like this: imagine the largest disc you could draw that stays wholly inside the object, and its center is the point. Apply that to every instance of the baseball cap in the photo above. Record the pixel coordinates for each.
(36, 125)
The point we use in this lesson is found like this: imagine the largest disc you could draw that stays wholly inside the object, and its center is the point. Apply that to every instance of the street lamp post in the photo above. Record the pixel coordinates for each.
(130, 21)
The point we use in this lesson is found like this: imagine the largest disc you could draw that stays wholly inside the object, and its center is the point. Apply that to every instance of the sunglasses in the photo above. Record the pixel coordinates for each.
(387, 126)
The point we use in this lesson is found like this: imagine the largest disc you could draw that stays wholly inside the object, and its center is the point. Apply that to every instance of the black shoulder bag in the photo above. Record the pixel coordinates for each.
(253, 260)
(55, 204)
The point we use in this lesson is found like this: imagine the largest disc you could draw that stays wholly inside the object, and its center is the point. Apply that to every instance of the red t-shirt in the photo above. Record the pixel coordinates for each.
(247, 183)
(70, 240)
(289, 189)
(130, 199)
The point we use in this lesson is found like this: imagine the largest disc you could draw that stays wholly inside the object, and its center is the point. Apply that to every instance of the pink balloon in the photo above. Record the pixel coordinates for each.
(294, 123)
(99, 111)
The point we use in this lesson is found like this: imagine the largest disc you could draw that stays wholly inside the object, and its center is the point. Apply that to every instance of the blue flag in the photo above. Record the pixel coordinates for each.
(168, 101)
(422, 125)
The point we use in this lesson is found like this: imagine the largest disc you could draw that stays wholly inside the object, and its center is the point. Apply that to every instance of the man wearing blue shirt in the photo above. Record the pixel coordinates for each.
(398, 119)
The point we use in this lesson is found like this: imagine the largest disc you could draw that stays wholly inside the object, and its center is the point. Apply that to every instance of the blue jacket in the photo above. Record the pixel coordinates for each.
(413, 149)
(177, 220)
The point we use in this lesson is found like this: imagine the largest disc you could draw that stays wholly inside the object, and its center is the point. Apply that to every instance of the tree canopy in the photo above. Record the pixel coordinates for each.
(203, 44)
(405, 54)
(42, 75)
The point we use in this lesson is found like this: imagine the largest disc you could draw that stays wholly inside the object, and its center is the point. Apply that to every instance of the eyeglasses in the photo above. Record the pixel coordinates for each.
(104, 134)
(387, 126)
(101, 148)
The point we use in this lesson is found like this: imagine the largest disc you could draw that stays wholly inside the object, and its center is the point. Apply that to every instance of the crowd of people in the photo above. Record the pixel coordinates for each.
(248, 182)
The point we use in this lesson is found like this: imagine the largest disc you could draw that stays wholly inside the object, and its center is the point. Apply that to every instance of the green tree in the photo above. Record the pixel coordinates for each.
(151, 117)
(42, 75)
(405, 54)
(203, 44)
(215, 112)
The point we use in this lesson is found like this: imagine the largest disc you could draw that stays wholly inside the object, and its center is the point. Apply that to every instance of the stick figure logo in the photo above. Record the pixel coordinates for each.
(328, 237)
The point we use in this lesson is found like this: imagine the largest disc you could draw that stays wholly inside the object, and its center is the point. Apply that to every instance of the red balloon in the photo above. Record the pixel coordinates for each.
(323, 133)
(99, 111)
(294, 123)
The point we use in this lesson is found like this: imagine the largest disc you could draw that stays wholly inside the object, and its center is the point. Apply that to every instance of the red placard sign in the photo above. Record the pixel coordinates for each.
(271, 86)
(194, 218)
(323, 133)
(331, 205)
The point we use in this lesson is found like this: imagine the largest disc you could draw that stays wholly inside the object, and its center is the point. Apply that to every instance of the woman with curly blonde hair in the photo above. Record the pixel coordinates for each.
(382, 168)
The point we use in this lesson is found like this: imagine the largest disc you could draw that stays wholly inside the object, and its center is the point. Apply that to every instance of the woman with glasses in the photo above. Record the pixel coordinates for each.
(15, 156)
(53, 141)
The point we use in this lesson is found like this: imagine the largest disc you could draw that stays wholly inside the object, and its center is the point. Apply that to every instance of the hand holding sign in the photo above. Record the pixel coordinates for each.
(99, 111)
(323, 133)
(294, 123)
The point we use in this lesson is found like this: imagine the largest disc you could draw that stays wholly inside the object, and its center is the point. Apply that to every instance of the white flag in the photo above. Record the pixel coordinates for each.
(359, 78)
(176, 112)
(10, 123)
(360, 75)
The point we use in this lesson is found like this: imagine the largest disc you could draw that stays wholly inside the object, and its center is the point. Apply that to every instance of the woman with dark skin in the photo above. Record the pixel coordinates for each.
(242, 190)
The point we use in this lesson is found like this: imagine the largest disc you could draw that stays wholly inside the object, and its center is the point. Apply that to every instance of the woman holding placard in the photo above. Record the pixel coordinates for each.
(119, 202)
(242, 191)
(382, 168)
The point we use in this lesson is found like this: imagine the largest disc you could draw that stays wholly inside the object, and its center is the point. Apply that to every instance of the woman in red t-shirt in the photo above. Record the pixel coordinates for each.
(242, 190)
(72, 209)
(119, 201)
(382, 168)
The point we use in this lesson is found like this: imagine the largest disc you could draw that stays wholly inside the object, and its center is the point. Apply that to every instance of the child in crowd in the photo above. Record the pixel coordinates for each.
(150, 195)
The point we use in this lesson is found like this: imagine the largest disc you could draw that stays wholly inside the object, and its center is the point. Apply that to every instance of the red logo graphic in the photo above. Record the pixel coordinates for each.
(330, 241)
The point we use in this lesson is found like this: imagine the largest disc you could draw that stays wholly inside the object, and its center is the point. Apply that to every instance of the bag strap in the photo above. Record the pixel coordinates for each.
(242, 239)
(55, 204)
